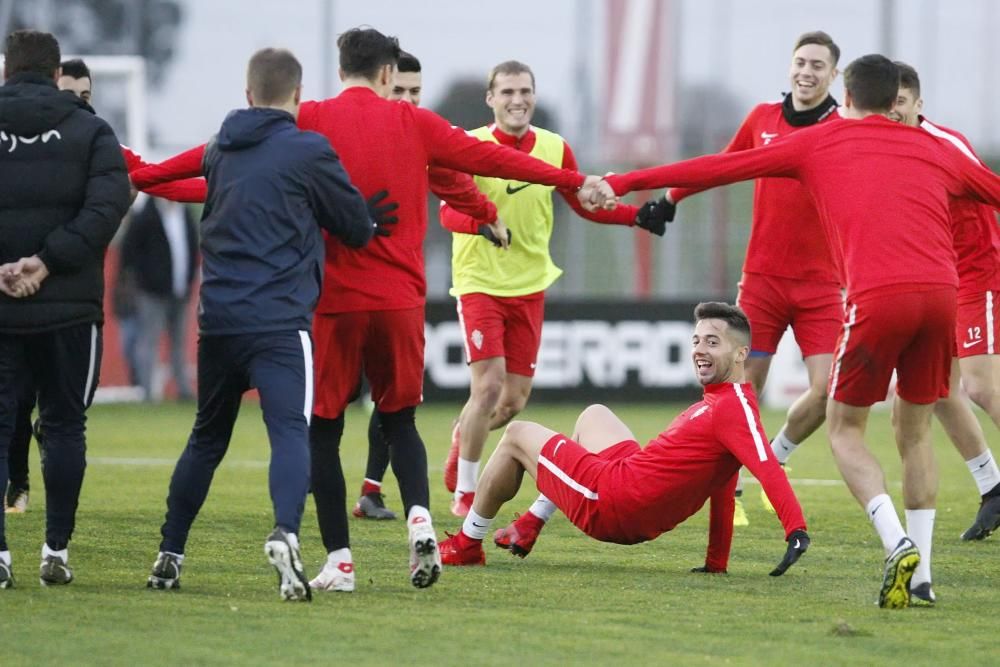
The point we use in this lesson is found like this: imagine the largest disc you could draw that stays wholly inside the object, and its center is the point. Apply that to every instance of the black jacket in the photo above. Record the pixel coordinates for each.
(271, 187)
(145, 251)
(64, 192)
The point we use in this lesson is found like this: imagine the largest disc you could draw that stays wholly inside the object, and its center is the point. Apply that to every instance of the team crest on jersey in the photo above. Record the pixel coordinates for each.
(477, 339)
(699, 412)
(767, 136)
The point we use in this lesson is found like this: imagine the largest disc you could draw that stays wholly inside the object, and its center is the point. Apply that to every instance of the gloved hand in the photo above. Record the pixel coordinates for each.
(655, 214)
(798, 543)
(379, 212)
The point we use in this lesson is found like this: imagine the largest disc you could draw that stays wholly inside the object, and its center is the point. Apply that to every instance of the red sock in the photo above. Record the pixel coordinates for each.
(370, 487)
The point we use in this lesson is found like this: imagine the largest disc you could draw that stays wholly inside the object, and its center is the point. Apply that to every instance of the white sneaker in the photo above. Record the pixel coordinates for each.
(425, 558)
(336, 575)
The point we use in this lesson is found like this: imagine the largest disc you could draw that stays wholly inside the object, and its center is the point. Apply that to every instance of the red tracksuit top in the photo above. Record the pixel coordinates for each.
(786, 236)
(977, 235)
(697, 458)
(882, 190)
(387, 145)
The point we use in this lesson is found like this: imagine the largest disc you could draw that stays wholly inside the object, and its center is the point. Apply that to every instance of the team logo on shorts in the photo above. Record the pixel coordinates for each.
(477, 339)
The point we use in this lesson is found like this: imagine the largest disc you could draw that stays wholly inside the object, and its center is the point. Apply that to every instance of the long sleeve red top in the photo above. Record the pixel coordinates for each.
(786, 235)
(882, 190)
(387, 145)
(696, 458)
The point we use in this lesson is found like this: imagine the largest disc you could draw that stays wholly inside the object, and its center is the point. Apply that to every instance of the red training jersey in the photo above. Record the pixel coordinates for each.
(882, 190)
(977, 236)
(387, 145)
(459, 192)
(697, 458)
(786, 236)
(189, 190)
(456, 220)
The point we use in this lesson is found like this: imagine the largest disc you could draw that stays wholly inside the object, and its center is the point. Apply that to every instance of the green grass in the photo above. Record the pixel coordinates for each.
(573, 600)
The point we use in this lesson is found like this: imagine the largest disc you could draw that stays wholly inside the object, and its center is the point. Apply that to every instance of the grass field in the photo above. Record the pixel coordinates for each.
(573, 601)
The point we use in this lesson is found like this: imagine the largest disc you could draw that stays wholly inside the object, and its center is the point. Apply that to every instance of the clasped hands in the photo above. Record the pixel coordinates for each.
(23, 277)
(596, 193)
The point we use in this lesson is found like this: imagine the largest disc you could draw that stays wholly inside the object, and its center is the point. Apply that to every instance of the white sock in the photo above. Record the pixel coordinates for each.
(179, 557)
(543, 508)
(468, 473)
(984, 470)
(782, 446)
(475, 527)
(5, 558)
(293, 539)
(339, 556)
(418, 512)
(920, 528)
(62, 553)
(882, 514)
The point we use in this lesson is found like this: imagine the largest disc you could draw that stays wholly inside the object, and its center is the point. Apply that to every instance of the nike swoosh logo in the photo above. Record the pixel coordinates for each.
(877, 508)
(512, 191)
(477, 525)
(975, 342)
(796, 544)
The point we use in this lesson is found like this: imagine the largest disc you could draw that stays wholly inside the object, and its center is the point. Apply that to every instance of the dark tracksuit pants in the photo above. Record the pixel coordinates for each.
(279, 365)
(20, 444)
(65, 365)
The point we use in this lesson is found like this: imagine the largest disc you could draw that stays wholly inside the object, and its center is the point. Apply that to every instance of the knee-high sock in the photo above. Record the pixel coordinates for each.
(408, 456)
(328, 487)
(378, 450)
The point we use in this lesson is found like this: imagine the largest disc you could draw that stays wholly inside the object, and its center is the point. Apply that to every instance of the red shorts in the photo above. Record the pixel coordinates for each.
(912, 332)
(569, 475)
(976, 324)
(388, 345)
(815, 311)
(503, 326)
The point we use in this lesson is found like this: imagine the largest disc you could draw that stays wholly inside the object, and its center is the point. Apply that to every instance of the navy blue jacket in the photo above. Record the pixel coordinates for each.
(271, 187)
(64, 192)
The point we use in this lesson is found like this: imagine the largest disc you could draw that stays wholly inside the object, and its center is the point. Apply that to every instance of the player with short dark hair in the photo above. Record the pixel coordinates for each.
(790, 276)
(501, 296)
(371, 311)
(901, 279)
(975, 363)
(616, 491)
(65, 192)
(271, 188)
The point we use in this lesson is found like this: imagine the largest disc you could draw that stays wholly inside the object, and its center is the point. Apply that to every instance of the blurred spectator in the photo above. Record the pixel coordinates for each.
(159, 256)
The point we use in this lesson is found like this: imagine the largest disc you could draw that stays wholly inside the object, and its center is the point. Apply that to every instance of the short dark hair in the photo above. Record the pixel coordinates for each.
(75, 68)
(872, 82)
(821, 38)
(364, 51)
(31, 51)
(731, 315)
(908, 78)
(273, 75)
(510, 67)
(407, 62)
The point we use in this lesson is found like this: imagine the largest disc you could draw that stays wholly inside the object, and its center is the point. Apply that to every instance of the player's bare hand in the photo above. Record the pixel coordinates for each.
(496, 233)
(798, 543)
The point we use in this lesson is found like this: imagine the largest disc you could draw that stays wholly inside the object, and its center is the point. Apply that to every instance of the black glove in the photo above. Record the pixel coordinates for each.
(379, 212)
(486, 232)
(798, 543)
(704, 569)
(655, 214)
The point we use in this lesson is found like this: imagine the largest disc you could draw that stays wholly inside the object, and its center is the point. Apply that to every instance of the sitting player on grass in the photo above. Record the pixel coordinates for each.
(616, 491)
